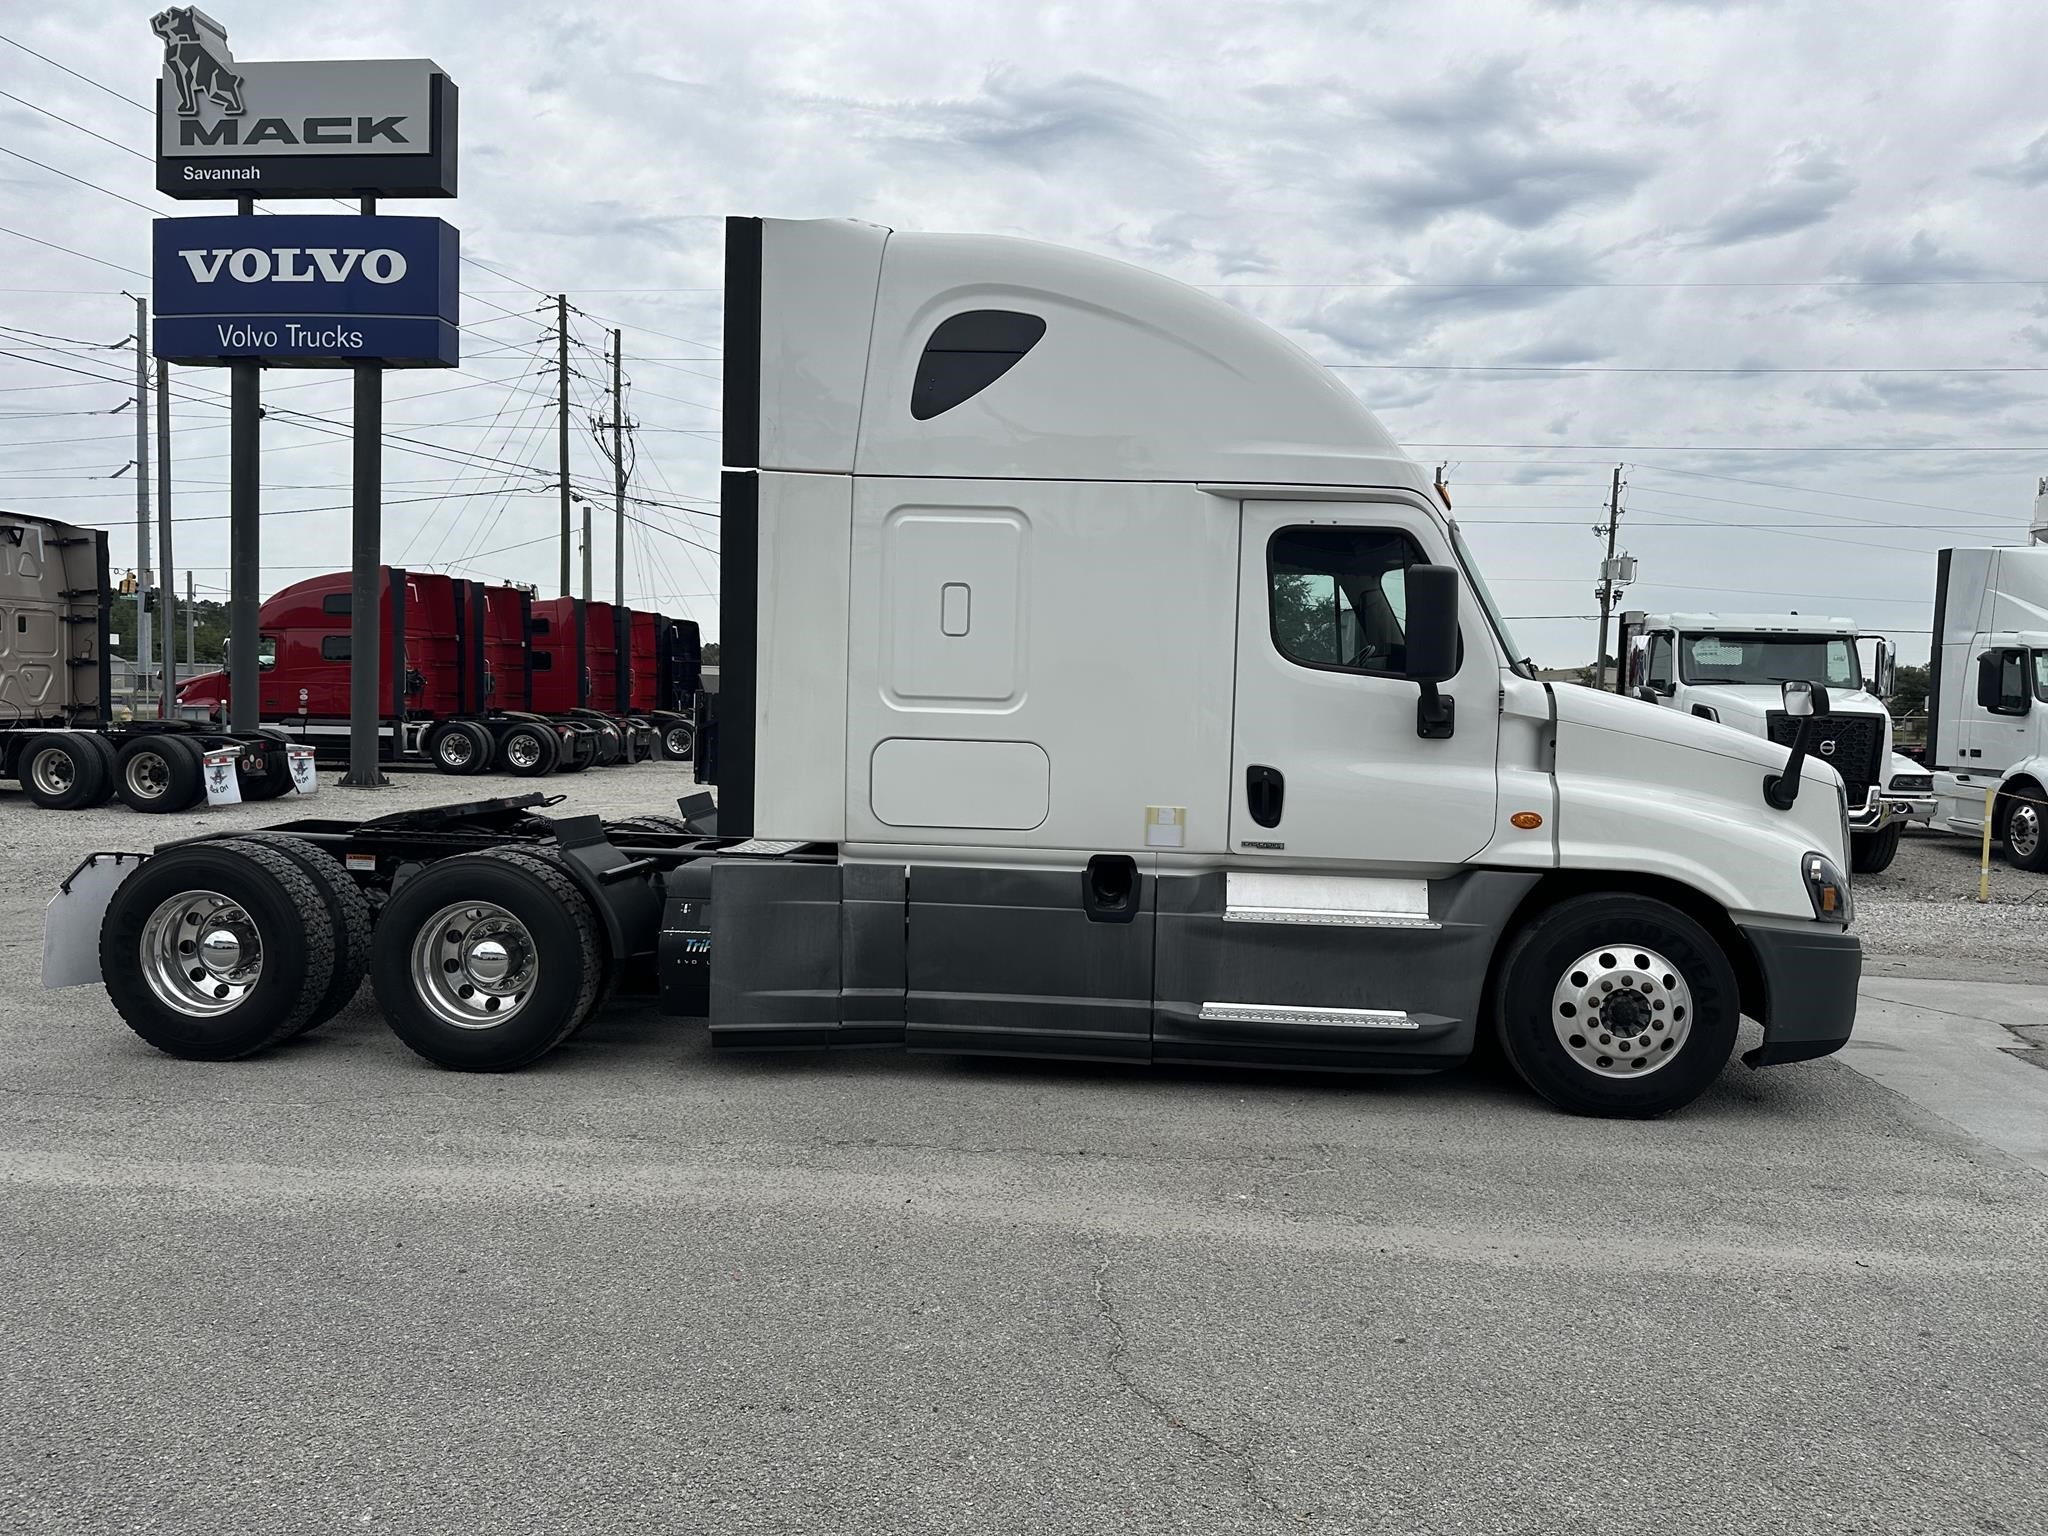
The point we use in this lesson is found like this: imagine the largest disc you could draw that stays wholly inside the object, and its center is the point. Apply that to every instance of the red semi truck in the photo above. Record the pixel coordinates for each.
(472, 675)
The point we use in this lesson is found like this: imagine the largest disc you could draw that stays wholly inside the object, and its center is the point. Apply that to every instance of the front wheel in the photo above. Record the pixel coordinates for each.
(1871, 853)
(1616, 1005)
(2026, 834)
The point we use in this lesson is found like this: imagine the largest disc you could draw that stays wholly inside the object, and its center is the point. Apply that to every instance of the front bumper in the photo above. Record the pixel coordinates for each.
(1881, 808)
(1809, 1003)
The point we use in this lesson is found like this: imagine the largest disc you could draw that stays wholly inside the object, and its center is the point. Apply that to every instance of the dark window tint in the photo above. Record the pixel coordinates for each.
(541, 626)
(338, 602)
(1340, 597)
(334, 648)
(543, 661)
(966, 354)
(2013, 691)
(1660, 661)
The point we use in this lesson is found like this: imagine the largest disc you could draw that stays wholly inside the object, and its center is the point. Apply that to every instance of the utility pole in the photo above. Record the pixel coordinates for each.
(618, 487)
(366, 573)
(1606, 585)
(562, 424)
(144, 652)
(191, 620)
(245, 533)
(166, 594)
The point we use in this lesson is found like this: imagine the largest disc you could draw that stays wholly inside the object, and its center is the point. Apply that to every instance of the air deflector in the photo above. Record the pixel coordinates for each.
(967, 353)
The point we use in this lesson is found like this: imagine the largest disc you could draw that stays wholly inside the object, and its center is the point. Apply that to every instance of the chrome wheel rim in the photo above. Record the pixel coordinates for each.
(680, 739)
(53, 771)
(1622, 1010)
(522, 750)
(148, 776)
(474, 965)
(457, 749)
(201, 954)
(2023, 830)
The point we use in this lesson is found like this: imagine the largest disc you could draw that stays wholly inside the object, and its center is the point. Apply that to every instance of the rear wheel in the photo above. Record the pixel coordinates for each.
(2026, 831)
(216, 950)
(1871, 853)
(64, 771)
(667, 826)
(487, 961)
(678, 740)
(459, 747)
(158, 775)
(611, 742)
(348, 915)
(530, 751)
(1616, 1005)
(264, 774)
(105, 749)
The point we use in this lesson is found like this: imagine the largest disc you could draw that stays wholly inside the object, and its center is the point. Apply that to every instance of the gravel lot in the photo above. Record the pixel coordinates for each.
(643, 1287)
(1921, 917)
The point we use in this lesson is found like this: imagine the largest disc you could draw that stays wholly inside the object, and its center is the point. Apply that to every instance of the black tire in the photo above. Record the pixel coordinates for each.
(578, 752)
(675, 741)
(105, 792)
(64, 770)
(280, 902)
(545, 746)
(1539, 963)
(348, 916)
(159, 775)
(564, 948)
(1871, 853)
(611, 742)
(668, 826)
(273, 782)
(2023, 826)
(460, 747)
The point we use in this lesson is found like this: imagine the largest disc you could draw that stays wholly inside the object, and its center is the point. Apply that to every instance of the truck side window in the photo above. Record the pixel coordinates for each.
(2041, 676)
(2010, 669)
(334, 648)
(342, 603)
(967, 353)
(1338, 597)
(266, 652)
(1659, 674)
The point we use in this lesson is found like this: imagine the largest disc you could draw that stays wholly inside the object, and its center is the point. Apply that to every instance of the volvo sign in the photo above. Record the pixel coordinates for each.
(377, 127)
(307, 290)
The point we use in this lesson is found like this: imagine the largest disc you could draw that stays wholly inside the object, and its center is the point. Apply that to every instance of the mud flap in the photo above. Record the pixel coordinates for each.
(72, 918)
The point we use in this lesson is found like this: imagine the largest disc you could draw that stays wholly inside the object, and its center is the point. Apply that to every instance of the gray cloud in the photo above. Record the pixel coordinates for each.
(1804, 194)
(1522, 186)
(2029, 167)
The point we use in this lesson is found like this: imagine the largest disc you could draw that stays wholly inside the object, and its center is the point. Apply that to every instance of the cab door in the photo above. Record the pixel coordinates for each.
(1327, 761)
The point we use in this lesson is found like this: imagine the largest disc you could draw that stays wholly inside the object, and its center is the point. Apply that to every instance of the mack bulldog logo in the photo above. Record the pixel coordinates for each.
(196, 54)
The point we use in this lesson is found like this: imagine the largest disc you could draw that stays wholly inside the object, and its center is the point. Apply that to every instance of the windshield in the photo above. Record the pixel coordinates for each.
(1521, 665)
(1770, 659)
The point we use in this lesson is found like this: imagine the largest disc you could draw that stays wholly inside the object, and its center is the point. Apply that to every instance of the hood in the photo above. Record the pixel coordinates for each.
(1751, 702)
(203, 688)
(1604, 711)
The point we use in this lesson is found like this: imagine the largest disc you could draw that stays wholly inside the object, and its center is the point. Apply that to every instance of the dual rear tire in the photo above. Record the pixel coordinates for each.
(67, 770)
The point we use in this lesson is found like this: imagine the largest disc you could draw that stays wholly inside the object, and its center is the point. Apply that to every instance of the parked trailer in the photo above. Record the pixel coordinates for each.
(1987, 697)
(667, 673)
(59, 739)
(644, 687)
(439, 703)
(1099, 680)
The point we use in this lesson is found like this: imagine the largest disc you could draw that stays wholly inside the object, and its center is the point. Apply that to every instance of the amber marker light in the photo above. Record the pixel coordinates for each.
(1528, 821)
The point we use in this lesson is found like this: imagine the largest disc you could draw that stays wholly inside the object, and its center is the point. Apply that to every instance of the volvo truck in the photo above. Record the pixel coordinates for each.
(1099, 680)
(1987, 698)
(59, 737)
(1731, 668)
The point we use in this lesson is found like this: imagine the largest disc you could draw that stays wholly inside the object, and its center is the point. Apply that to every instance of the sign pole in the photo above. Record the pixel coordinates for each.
(245, 561)
(166, 594)
(145, 651)
(562, 421)
(365, 564)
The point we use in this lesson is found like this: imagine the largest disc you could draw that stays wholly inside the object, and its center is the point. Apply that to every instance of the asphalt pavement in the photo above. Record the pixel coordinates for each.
(646, 1288)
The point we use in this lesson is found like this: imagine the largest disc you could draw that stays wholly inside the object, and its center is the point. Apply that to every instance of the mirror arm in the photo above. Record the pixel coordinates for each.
(1436, 715)
(1782, 789)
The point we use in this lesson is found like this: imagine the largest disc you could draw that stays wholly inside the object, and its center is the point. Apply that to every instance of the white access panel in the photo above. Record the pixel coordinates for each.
(1094, 633)
(800, 709)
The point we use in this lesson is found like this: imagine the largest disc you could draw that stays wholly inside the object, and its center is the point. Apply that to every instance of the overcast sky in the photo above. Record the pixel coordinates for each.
(1612, 193)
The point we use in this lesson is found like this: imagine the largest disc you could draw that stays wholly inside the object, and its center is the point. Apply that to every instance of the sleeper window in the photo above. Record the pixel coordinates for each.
(1339, 597)
(335, 648)
(966, 354)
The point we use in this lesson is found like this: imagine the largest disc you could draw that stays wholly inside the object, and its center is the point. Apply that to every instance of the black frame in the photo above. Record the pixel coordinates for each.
(1272, 619)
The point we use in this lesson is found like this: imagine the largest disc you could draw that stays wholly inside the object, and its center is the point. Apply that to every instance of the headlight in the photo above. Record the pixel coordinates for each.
(1912, 784)
(1828, 889)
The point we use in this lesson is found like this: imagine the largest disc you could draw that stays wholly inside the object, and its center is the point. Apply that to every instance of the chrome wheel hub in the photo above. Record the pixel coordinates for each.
(149, 776)
(522, 751)
(201, 954)
(679, 742)
(474, 965)
(1621, 1011)
(457, 749)
(53, 771)
(2023, 830)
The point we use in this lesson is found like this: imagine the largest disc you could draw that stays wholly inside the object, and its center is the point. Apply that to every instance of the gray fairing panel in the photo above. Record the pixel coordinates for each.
(1435, 975)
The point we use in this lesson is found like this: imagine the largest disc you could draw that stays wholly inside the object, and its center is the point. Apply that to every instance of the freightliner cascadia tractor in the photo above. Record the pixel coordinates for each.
(1098, 680)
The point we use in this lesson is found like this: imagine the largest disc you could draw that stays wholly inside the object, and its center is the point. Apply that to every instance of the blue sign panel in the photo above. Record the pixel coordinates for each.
(307, 291)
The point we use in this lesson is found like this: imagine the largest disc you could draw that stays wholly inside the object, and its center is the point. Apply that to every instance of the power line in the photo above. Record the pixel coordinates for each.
(68, 123)
(81, 255)
(74, 74)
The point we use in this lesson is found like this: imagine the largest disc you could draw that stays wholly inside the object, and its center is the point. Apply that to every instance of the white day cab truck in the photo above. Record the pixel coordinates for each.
(1731, 668)
(1988, 697)
(1099, 681)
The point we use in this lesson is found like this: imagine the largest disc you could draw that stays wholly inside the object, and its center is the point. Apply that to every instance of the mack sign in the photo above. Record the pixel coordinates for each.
(306, 128)
(307, 291)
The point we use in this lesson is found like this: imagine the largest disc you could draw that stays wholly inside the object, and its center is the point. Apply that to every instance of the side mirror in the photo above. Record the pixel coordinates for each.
(1991, 686)
(1803, 701)
(1885, 669)
(1432, 641)
(1647, 694)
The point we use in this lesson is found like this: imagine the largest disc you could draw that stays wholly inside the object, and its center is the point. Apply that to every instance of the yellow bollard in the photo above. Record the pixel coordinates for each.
(1984, 864)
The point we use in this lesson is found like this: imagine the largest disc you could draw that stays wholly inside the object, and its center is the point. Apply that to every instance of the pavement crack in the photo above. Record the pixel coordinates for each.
(1117, 1362)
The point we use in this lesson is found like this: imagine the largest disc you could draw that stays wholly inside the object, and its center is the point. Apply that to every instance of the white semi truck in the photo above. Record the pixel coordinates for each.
(1987, 697)
(1731, 668)
(1099, 680)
